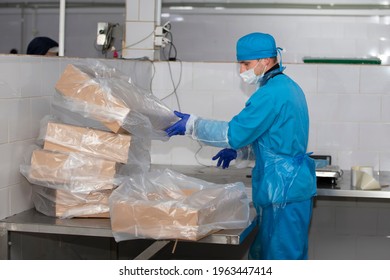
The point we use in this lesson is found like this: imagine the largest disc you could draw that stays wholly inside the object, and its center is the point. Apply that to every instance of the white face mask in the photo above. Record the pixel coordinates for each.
(250, 77)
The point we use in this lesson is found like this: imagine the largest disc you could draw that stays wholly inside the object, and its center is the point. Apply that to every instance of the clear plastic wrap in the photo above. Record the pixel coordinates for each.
(245, 157)
(65, 204)
(99, 92)
(72, 172)
(211, 132)
(164, 204)
(284, 179)
(122, 148)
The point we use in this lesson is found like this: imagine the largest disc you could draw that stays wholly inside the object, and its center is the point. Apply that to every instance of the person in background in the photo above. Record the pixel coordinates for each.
(43, 46)
(273, 127)
(13, 51)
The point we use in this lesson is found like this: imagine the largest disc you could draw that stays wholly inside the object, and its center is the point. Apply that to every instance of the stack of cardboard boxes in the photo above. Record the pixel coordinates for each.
(79, 163)
(76, 170)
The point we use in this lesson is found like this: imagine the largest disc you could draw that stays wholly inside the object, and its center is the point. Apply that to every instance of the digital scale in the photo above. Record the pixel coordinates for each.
(327, 175)
(330, 171)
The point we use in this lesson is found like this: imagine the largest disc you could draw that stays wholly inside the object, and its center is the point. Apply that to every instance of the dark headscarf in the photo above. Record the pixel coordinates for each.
(40, 45)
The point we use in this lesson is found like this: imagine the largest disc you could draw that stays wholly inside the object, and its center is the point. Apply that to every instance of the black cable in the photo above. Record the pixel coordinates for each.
(109, 38)
(171, 45)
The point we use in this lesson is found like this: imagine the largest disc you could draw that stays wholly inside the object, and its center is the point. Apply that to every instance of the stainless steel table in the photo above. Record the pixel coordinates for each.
(343, 188)
(34, 222)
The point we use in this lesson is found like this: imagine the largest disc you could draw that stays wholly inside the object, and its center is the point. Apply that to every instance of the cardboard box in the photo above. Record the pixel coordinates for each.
(162, 218)
(65, 204)
(77, 84)
(153, 222)
(92, 142)
(73, 170)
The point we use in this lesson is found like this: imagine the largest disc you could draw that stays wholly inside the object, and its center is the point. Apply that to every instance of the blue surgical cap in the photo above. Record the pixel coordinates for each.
(40, 45)
(255, 46)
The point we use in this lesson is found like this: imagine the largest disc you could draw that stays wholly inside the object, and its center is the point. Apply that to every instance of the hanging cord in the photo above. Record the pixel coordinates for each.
(196, 156)
(133, 44)
(152, 78)
(175, 86)
(172, 56)
(171, 46)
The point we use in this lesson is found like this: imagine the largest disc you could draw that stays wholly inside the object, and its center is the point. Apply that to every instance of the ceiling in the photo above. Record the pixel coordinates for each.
(335, 4)
(304, 7)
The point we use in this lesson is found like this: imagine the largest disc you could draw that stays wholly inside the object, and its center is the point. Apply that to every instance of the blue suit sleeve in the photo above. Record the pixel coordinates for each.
(211, 132)
(253, 121)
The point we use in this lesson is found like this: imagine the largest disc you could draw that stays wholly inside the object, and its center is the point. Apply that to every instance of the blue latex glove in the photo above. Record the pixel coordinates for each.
(178, 128)
(224, 157)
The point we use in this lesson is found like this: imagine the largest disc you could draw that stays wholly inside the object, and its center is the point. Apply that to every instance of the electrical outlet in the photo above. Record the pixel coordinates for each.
(161, 41)
(159, 31)
(102, 28)
(158, 41)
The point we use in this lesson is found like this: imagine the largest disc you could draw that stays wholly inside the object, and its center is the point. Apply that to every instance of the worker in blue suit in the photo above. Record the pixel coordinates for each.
(273, 127)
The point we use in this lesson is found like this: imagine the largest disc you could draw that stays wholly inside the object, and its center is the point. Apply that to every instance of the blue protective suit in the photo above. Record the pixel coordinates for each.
(275, 122)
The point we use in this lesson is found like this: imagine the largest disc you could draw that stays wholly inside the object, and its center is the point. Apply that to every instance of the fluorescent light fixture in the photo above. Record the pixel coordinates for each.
(374, 53)
(186, 8)
(165, 15)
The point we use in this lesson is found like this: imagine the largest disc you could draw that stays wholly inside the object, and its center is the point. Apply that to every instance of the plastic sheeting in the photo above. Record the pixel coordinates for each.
(65, 204)
(57, 136)
(74, 172)
(164, 204)
(96, 91)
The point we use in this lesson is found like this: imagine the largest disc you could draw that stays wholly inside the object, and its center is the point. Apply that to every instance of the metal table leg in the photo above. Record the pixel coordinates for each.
(152, 250)
(4, 250)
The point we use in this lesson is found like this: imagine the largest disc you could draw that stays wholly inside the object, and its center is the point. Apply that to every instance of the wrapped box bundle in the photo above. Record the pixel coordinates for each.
(101, 93)
(72, 171)
(92, 142)
(65, 204)
(81, 86)
(79, 160)
(163, 204)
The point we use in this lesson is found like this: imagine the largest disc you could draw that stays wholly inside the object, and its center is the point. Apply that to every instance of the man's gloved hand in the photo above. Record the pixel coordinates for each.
(224, 157)
(178, 128)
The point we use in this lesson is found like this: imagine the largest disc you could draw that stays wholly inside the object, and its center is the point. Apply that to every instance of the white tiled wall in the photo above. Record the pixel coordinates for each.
(341, 229)
(139, 32)
(213, 36)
